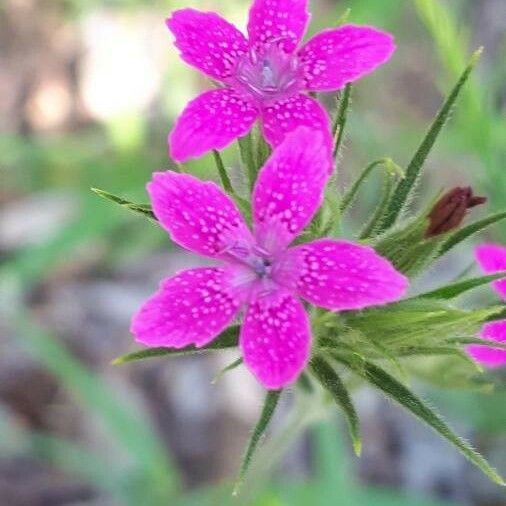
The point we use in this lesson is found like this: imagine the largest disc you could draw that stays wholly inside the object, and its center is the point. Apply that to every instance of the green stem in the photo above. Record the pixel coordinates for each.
(341, 118)
(225, 180)
(372, 225)
(248, 158)
(352, 192)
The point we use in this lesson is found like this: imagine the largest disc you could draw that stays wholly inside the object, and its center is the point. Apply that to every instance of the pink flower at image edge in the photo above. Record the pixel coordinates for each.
(259, 271)
(492, 259)
(266, 75)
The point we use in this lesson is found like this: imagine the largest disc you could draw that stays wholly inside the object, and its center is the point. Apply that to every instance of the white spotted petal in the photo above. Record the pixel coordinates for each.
(207, 41)
(213, 120)
(341, 275)
(275, 340)
(197, 214)
(289, 189)
(192, 307)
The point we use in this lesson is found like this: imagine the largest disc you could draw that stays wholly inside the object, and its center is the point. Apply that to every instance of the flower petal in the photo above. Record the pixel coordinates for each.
(335, 57)
(285, 116)
(341, 275)
(211, 121)
(197, 214)
(278, 20)
(192, 307)
(492, 258)
(275, 341)
(491, 357)
(289, 188)
(207, 41)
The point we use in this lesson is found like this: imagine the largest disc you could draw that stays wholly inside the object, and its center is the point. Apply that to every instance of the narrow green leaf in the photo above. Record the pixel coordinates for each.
(489, 343)
(341, 118)
(469, 230)
(144, 209)
(350, 195)
(413, 171)
(456, 289)
(398, 392)
(331, 381)
(225, 180)
(270, 404)
(227, 339)
(229, 367)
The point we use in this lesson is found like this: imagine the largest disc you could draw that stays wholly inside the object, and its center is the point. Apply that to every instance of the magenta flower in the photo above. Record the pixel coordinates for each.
(259, 271)
(492, 259)
(264, 76)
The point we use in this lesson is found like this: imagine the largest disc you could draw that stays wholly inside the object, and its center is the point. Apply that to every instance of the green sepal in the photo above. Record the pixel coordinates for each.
(144, 209)
(331, 381)
(229, 338)
(465, 232)
(405, 187)
(455, 289)
(395, 390)
(409, 322)
(269, 407)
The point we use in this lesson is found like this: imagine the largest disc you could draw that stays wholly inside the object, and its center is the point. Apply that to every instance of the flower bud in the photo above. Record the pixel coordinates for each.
(450, 210)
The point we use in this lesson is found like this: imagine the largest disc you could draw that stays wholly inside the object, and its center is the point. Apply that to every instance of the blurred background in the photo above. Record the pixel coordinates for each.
(88, 92)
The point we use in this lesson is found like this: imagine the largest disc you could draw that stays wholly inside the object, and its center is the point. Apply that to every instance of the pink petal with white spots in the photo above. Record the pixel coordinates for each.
(492, 259)
(197, 214)
(207, 41)
(192, 307)
(341, 275)
(278, 20)
(275, 341)
(339, 56)
(285, 116)
(211, 121)
(289, 188)
(491, 357)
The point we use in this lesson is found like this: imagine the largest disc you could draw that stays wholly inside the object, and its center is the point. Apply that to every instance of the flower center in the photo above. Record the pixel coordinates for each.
(269, 74)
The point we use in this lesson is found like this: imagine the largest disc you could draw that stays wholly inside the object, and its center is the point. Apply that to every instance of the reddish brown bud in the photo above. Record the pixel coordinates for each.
(450, 210)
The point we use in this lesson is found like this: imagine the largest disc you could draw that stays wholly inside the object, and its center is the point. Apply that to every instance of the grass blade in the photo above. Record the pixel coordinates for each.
(456, 289)
(227, 339)
(144, 209)
(392, 388)
(331, 381)
(270, 404)
(413, 171)
(471, 229)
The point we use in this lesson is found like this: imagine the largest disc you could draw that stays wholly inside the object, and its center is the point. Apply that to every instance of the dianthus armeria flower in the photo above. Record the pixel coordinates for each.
(266, 75)
(492, 259)
(259, 271)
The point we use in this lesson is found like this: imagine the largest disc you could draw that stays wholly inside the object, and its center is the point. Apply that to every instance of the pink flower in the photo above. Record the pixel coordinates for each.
(492, 259)
(263, 77)
(259, 271)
